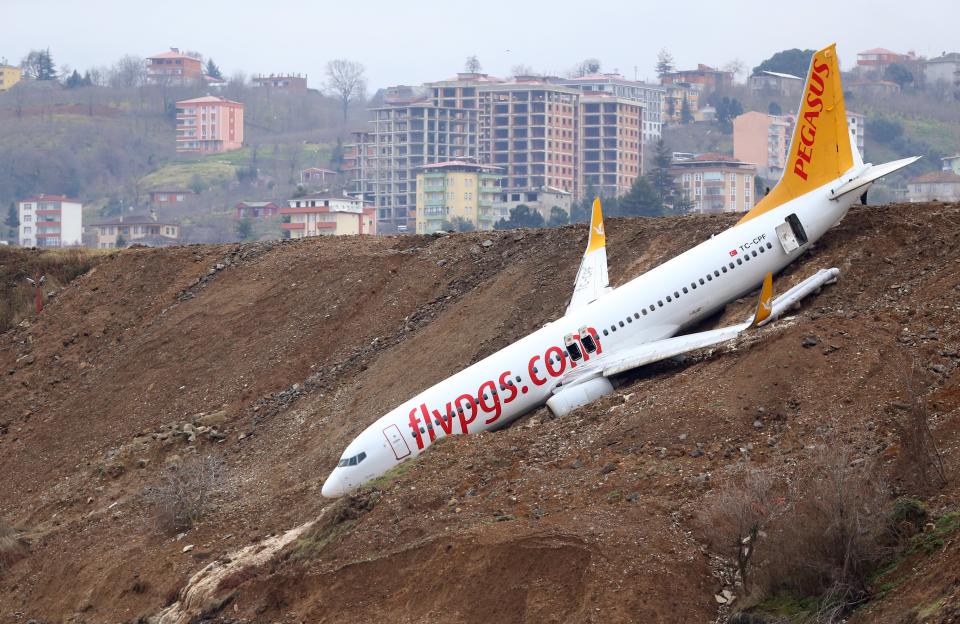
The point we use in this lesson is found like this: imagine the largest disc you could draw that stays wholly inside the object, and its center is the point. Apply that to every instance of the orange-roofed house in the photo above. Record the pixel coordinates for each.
(209, 125)
(174, 68)
(327, 215)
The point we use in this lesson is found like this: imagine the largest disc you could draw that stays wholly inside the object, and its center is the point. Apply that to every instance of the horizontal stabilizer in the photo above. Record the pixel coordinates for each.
(870, 174)
(656, 351)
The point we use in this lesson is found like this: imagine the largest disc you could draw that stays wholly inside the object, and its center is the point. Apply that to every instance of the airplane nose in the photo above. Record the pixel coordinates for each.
(333, 486)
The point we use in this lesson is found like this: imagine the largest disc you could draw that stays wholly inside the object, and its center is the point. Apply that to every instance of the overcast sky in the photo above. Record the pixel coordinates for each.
(412, 42)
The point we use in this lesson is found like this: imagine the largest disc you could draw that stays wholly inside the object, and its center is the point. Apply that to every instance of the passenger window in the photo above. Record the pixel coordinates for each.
(732, 265)
(769, 246)
(716, 274)
(669, 299)
(660, 303)
(621, 323)
(739, 261)
(644, 311)
(606, 333)
(701, 281)
(613, 328)
(629, 319)
(652, 308)
(709, 278)
(676, 295)
(636, 315)
(754, 252)
(724, 269)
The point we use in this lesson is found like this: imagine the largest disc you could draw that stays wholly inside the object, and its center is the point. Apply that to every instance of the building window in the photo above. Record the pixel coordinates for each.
(27, 218)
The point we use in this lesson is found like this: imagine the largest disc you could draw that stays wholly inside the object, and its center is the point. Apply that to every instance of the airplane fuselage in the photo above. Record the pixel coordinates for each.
(523, 376)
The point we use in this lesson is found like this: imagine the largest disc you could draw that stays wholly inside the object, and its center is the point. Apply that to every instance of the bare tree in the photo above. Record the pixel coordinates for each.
(522, 70)
(129, 72)
(346, 80)
(472, 66)
(188, 492)
(738, 515)
(735, 67)
(920, 463)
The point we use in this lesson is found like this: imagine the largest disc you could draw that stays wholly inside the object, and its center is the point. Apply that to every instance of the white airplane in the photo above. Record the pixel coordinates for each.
(568, 362)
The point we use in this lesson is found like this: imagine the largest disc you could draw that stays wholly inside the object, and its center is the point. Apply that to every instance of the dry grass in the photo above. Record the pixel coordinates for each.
(919, 463)
(60, 266)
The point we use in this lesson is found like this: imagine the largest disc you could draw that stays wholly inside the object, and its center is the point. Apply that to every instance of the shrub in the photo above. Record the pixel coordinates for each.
(919, 463)
(189, 491)
(12, 547)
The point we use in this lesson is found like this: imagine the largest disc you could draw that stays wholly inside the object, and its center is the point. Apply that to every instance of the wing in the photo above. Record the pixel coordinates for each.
(592, 280)
(767, 310)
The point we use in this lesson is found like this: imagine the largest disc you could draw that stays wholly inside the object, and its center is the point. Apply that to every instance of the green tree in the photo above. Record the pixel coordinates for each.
(663, 182)
(121, 241)
(520, 216)
(462, 224)
(641, 201)
(75, 80)
(197, 185)
(213, 71)
(664, 63)
(899, 74)
(686, 116)
(558, 217)
(774, 109)
(336, 157)
(47, 69)
(728, 109)
(13, 220)
(793, 61)
(587, 67)
(244, 229)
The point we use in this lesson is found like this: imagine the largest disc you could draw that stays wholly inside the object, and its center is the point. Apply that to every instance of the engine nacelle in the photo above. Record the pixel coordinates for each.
(569, 399)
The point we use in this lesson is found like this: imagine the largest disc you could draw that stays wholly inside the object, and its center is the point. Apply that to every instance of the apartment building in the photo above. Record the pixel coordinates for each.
(326, 215)
(316, 176)
(50, 221)
(293, 83)
(146, 230)
(951, 163)
(174, 68)
(529, 128)
(9, 76)
(707, 77)
(457, 189)
(857, 123)
(650, 96)
(611, 144)
(674, 97)
(776, 83)
(716, 183)
(541, 200)
(764, 140)
(383, 162)
(209, 125)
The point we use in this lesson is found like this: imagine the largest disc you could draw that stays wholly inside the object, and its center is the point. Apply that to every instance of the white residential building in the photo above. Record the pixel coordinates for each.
(50, 221)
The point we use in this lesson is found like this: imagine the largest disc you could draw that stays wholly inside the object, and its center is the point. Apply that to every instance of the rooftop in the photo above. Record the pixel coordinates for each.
(173, 53)
(937, 176)
(209, 99)
(135, 219)
(450, 164)
(49, 198)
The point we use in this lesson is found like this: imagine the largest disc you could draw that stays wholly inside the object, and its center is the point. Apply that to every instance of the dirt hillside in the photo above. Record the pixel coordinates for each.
(270, 357)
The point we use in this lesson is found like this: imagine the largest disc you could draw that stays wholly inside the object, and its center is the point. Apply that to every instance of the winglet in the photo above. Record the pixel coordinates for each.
(765, 304)
(598, 237)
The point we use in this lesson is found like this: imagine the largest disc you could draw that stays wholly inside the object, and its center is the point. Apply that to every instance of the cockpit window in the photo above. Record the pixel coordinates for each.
(352, 461)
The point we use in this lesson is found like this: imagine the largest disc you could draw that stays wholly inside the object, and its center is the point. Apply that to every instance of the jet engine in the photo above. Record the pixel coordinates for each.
(569, 399)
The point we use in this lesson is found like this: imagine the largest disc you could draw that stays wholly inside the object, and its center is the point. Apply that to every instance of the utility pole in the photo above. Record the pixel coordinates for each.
(38, 284)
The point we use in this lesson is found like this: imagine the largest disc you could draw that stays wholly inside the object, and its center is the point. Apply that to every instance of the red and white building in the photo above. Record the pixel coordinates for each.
(323, 215)
(209, 125)
(174, 68)
(50, 221)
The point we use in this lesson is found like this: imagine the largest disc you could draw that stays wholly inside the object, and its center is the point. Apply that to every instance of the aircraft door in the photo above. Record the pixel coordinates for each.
(791, 233)
(397, 443)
